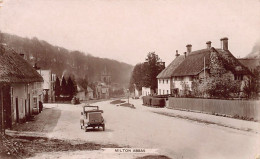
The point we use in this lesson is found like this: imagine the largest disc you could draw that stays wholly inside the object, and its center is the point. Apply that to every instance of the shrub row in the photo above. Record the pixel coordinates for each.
(154, 102)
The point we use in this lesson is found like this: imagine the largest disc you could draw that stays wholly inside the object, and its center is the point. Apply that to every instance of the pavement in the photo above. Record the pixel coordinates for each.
(177, 134)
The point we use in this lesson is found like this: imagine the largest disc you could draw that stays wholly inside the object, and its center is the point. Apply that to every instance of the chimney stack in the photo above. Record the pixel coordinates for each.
(177, 54)
(208, 43)
(22, 55)
(185, 54)
(224, 43)
(188, 48)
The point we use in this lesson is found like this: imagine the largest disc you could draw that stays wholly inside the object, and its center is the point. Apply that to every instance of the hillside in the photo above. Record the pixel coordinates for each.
(61, 60)
(252, 60)
(255, 53)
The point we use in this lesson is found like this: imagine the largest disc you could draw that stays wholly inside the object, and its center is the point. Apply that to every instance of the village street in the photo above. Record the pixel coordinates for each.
(177, 134)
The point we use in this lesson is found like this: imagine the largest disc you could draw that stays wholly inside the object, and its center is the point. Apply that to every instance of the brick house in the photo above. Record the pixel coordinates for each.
(201, 64)
(21, 88)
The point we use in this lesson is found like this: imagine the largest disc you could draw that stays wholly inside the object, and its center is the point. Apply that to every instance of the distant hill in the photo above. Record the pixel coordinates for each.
(61, 60)
(252, 60)
(255, 53)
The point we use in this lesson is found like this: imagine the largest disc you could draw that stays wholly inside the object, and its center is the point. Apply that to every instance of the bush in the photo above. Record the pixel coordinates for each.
(152, 101)
(147, 100)
(75, 100)
(160, 102)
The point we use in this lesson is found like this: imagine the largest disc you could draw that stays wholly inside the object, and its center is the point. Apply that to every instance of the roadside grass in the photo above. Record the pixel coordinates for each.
(127, 105)
(24, 147)
(119, 101)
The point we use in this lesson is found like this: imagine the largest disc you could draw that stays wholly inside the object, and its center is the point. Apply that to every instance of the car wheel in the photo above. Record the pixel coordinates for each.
(103, 127)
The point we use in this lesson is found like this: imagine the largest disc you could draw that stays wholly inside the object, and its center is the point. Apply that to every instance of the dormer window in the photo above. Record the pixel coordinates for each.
(238, 77)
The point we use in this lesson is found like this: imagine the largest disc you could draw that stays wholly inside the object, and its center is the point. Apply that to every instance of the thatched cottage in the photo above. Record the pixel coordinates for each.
(200, 64)
(20, 87)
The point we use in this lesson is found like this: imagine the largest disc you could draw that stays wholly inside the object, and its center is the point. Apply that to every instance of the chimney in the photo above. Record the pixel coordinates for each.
(177, 54)
(224, 43)
(163, 64)
(188, 48)
(185, 53)
(22, 55)
(208, 43)
(36, 67)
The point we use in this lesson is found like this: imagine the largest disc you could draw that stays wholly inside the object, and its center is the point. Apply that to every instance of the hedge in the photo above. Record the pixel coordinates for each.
(159, 102)
(152, 101)
(147, 100)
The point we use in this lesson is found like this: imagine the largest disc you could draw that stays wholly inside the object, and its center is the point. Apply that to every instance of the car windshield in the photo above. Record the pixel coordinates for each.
(90, 108)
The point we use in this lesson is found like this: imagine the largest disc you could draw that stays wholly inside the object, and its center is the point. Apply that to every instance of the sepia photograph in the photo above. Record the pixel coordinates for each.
(130, 79)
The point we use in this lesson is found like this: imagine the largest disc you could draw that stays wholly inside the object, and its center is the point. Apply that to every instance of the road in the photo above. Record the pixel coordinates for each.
(173, 136)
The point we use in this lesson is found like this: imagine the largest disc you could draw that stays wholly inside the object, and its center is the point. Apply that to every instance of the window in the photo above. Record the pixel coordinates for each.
(167, 92)
(163, 91)
(163, 81)
(179, 78)
(166, 81)
(160, 91)
(238, 77)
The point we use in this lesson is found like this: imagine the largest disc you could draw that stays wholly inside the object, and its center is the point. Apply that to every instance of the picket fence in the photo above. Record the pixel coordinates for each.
(235, 108)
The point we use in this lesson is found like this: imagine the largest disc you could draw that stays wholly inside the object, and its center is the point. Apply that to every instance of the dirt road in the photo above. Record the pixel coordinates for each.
(172, 136)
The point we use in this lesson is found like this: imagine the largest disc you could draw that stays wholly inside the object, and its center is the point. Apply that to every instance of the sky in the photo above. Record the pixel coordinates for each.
(127, 30)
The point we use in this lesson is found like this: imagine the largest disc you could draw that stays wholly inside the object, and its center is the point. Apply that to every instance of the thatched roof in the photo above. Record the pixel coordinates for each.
(167, 72)
(81, 89)
(14, 69)
(193, 64)
(250, 63)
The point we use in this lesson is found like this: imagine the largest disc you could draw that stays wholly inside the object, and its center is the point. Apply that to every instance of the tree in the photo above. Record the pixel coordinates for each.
(144, 74)
(138, 77)
(252, 86)
(57, 87)
(71, 87)
(63, 87)
(154, 66)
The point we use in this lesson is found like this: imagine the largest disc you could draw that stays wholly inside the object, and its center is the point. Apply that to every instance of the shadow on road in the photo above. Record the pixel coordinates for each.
(43, 122)
(99, 130)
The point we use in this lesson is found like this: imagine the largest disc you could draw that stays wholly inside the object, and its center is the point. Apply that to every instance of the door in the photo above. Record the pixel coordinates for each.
(25, 107)
(7, 106)
(17, 110)
(29, 104)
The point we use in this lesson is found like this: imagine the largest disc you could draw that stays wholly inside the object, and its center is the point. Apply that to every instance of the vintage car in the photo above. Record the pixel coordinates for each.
(91, 117)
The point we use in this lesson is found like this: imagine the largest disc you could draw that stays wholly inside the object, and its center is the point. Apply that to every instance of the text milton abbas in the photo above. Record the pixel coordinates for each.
(130, 150)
